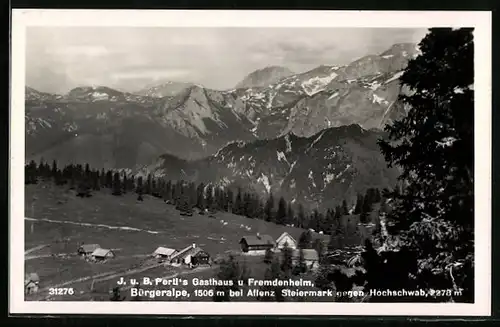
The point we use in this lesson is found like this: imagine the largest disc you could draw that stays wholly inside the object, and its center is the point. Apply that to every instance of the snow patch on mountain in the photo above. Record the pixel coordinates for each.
(311, 178)
(387, 56)
(333, 95)
(379, 100)
(264, 180)
(317, 84)
(375, 85)
(99, 96)
(342, 172)
(281, 156)
(316, 140)
(394, 77)
(329, 177)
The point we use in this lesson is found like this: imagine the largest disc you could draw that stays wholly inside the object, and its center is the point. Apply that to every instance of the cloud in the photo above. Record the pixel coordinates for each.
(130, 57)
(80, 50)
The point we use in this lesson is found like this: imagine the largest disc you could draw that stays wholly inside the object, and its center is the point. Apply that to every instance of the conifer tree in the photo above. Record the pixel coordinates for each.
(301, 217)
(338, 212)
(238, 203)
(117, 187)
(287, 263)
(124, 183)
(345, 209)
(290, 215)
(269, 208)
(305, 240)
(434, 146)
(140, 187)
(210, 198)
(281, 213)
(359, 205)
(200, 196)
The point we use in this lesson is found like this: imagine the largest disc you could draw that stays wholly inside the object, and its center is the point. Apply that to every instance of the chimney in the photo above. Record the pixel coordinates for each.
(258, 235)
(194, 245)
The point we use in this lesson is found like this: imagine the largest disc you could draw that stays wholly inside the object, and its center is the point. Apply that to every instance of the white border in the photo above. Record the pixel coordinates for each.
(481, 21)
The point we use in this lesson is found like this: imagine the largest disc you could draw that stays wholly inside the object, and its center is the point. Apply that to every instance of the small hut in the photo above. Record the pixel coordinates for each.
(31, 282)
(191, 256)
(87, 249)
(102, 254)
(256, 244)
(164, 253)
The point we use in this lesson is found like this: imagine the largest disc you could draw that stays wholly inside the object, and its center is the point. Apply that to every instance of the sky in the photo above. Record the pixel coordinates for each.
(130, 58)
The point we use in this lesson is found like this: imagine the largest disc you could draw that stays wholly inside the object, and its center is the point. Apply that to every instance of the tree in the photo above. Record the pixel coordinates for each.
(287, 263)
(434, 147)
(117, 185)
(209, 202)
(281, 213)
(290, 215)
(268, 257)
(238, 203)
(269, 208)
(116, 295)
(230, 270)
(345, 209)
(200, 196)
(366, 207)
(359, 205)
(273, 272)
(301, 266)
(301, 217)
(320, 248)
(435, 141)
(140, 187)
(305, 240)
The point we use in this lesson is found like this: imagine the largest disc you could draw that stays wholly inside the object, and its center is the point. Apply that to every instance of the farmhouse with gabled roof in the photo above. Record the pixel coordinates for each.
(87, 249)
(256, 244)
(192, 256)
(286, 240)
(102, 254)
(164, 253)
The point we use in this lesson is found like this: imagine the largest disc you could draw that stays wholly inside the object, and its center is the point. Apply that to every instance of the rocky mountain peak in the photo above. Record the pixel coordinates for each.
(264, 77)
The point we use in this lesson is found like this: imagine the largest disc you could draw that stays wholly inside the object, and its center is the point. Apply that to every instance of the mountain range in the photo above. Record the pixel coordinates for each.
(198, 126)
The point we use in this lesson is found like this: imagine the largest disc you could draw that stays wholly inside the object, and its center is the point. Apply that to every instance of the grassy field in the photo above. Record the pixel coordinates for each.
(132, 229)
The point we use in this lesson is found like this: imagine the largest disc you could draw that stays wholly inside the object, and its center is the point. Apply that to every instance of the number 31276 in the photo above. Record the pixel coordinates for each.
(61, 291)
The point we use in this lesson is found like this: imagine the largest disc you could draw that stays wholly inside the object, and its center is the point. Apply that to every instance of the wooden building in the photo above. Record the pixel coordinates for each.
(191, 256)
(31, 282)
(286, 240)
(164, 253)
(102, 254)
(87, 249)
(256, 244)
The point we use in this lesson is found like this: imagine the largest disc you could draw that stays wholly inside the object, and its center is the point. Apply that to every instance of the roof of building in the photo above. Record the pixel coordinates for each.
(100, 252)
(33, 277)
(164, 251)
(285, 234)
(309, 254)
(88, 248)
(190, 250)
(254, 240)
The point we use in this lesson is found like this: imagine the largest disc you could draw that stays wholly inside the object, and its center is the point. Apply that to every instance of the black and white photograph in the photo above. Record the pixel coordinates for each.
(227, 162)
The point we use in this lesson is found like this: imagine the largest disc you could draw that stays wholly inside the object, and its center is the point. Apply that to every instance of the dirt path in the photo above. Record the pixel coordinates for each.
(36, 248)
(98, 278)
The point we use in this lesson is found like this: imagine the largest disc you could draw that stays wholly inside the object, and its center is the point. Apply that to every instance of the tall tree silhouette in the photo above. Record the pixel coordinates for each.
(434, 146)
(269, 208)
(281, 212)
